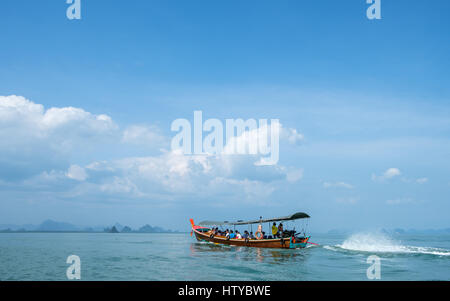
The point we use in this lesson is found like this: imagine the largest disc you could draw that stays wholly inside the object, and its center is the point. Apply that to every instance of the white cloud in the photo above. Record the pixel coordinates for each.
(252, 141)
(120, 185)
(20, 112)
(174, 176)
(259, 142)
(55, 118)
(294, 175)
(422, 180)
(292, 136)
(33, 140)
(76, 172)
(254, 191)
(391, 172)
(144, 135)
(400, 201)
(388, 174)
(337, 184)
(347, 200)
(52, 139)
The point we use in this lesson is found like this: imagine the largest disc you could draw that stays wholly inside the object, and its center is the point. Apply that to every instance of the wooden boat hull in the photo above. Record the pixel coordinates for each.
(280, 243)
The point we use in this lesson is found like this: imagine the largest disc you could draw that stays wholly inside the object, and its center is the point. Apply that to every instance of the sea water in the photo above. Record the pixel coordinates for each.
(104, 256)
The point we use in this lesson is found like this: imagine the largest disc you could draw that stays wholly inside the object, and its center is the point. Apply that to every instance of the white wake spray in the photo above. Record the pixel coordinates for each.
(381, 243)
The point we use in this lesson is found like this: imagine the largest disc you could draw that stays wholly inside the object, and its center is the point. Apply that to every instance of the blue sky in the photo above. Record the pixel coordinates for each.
(369, 97)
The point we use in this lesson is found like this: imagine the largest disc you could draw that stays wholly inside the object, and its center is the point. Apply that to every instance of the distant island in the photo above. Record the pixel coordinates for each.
(117, 228)
(54, 226)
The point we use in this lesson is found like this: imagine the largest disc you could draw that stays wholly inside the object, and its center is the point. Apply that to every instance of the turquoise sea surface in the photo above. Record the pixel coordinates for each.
(42, 256)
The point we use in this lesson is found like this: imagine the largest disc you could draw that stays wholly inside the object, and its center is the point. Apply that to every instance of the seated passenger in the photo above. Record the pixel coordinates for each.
(232, 235)
(251, 236)
(227, 234)
(259, 234)
(245, 236)
(238, 235)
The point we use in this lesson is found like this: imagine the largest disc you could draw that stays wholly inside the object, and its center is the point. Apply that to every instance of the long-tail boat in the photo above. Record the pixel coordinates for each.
(205, 231)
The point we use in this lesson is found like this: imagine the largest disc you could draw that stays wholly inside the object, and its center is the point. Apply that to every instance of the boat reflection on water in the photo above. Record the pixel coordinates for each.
(198, 249)
(203, 247)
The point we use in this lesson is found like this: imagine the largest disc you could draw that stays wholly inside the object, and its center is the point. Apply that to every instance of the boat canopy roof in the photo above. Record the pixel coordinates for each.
(294, 216)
